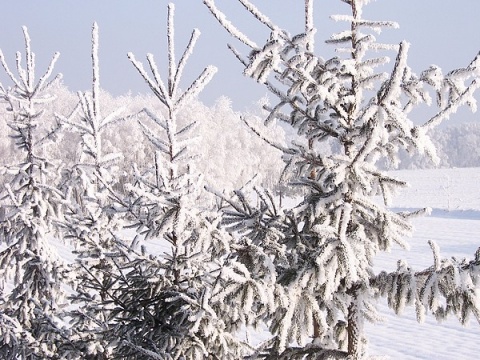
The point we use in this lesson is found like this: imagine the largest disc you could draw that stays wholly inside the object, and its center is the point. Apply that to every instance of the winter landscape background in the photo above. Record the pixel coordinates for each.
(156, 226)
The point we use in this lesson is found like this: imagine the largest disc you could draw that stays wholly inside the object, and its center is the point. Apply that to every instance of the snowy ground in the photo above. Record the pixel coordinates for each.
(454, 196)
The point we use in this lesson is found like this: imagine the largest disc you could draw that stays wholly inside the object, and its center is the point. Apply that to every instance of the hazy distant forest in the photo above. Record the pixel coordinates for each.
(155, 227)
(224, 137)
(225, 142)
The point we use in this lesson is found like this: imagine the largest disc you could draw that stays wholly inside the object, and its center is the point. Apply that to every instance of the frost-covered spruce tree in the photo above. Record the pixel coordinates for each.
(33, 275)
(87, 119)
(323, 249)
(161, 300)
(91, 221)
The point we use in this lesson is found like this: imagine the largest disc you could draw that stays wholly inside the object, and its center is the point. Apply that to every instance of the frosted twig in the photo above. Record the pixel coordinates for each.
(40, 85)
(452, 107)
(95, 71)
(252, 9)
(269, 142)
(399, 67)
(309, 24)
(29, 57)
(153, 86)
(7, 70)
(197, 86)
(158, 80)
(87, 109)
(183, 60)
(111, 118)
(21, 72)
(436, 254)
(222, 19)
(171, 49)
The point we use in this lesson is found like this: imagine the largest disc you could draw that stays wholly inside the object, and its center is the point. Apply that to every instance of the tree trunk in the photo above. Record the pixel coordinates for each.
(354, 332)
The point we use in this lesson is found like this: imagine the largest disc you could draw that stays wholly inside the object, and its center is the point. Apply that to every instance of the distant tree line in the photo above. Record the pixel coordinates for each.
(254, 158)
(457, 145)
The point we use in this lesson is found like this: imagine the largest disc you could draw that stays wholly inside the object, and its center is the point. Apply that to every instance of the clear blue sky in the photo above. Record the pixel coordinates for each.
(443, 32)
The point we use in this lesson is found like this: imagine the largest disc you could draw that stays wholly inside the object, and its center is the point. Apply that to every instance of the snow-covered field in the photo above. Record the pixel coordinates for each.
(454, 196)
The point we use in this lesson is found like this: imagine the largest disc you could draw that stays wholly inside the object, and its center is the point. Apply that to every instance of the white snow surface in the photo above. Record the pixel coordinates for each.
(454, 224)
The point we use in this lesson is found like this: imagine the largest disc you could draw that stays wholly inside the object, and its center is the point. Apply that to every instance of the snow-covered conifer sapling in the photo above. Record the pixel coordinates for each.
(34, 276)
(323, 249)
(160, 303)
